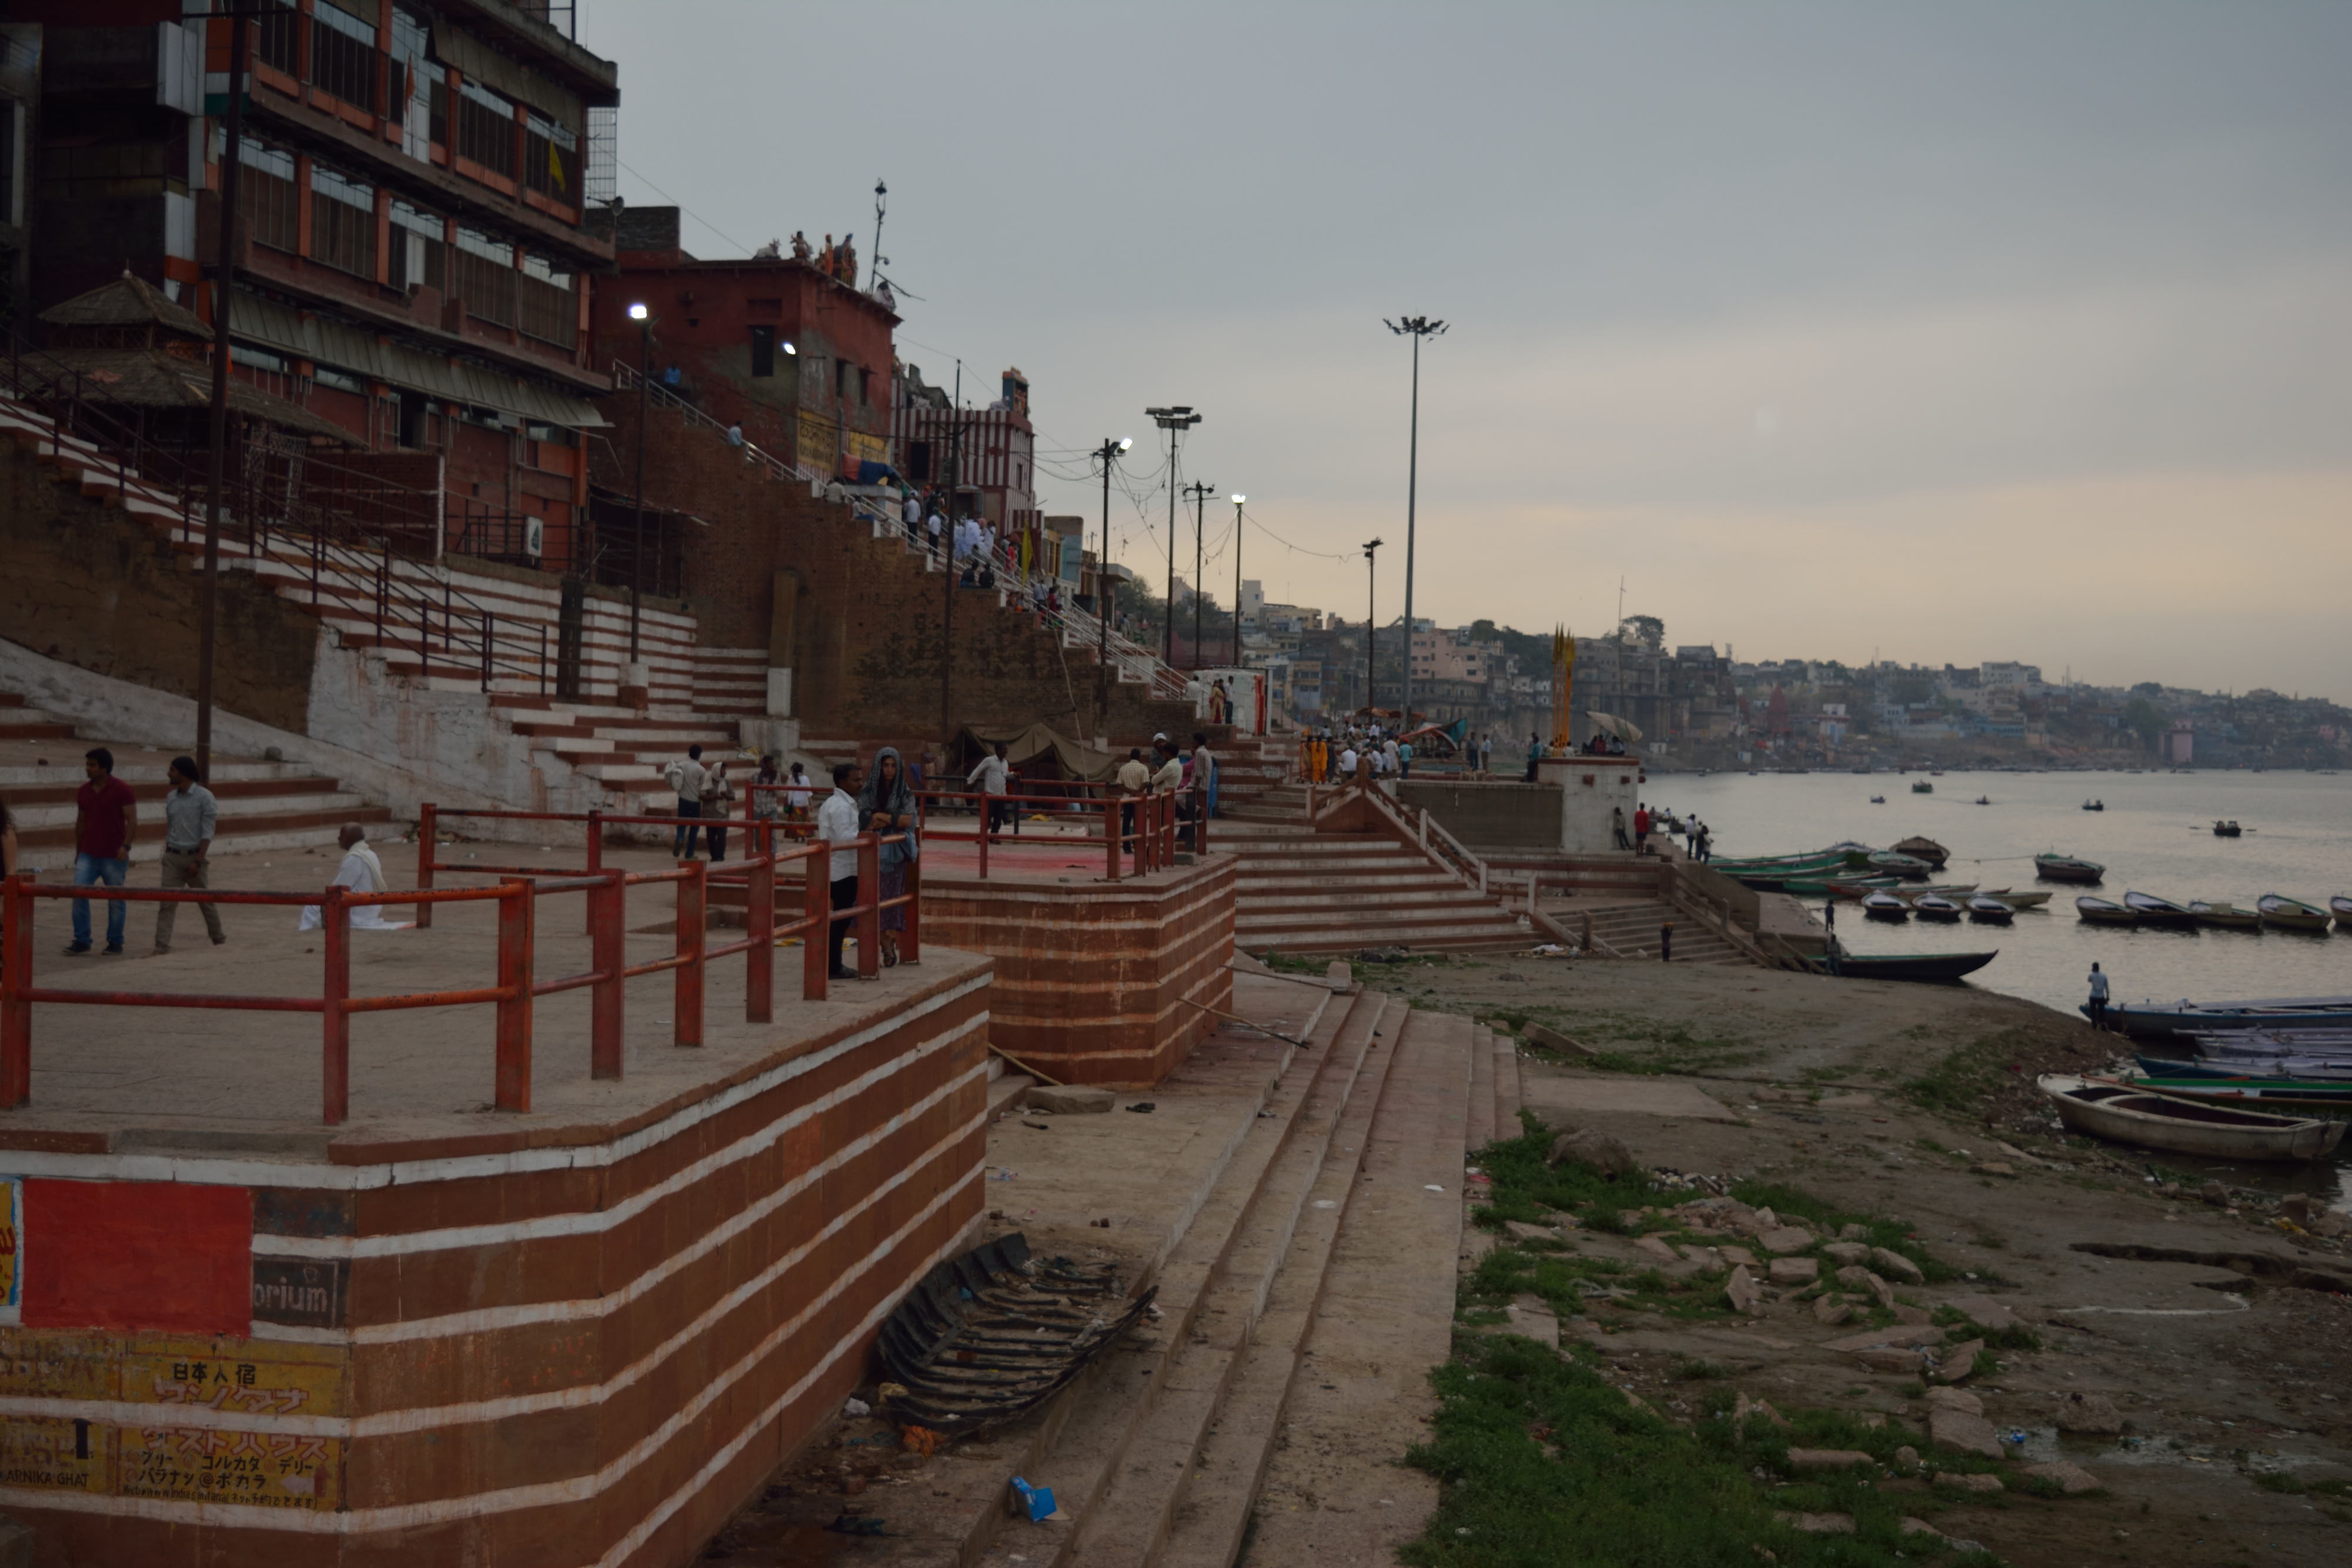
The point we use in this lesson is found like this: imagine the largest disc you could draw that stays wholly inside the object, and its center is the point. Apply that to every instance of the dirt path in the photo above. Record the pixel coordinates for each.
(1917, 1101)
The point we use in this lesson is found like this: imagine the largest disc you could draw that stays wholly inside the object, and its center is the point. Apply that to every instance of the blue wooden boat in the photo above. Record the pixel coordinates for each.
(2161, 1020)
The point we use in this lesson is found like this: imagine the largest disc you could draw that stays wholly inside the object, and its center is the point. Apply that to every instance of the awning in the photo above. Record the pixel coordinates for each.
(348, 347)
(1038, 740)
(1622, 728)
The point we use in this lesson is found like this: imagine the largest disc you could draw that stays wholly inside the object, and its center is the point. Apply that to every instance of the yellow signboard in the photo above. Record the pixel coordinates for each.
(50, 1454)
(262, 1469)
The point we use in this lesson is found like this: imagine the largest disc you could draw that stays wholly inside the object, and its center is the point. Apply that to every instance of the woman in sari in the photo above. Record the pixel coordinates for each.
(886, 805)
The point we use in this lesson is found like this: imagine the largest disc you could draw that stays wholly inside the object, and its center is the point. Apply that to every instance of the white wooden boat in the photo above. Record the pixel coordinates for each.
(2343, 908)
(2104, 912)
(2020, 898)
(1883, 905)
(2291, 913)
(2103, 1108)
(1989, 911)
(2227, 917)
(2160, 911)
(1935, 906)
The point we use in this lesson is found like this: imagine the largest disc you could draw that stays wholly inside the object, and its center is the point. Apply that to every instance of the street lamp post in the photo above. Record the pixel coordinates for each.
(644, 318)
(1200, 494)
(216, 439)
(1416, 328)
(1106, 455)
(1238, 499)
(1174, 419)
(1371, 625)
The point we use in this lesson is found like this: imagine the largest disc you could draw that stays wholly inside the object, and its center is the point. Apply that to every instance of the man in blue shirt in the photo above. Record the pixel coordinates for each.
(191, 815)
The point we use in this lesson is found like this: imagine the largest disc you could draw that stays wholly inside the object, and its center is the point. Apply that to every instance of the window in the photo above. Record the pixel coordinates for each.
(343, 56)
(265, 194)
(551, 159)
(764, 352)
(549, 311)
(841, 369)
(420, 88)
(486, 277)
(486, 129)
(342, 222)
(277, 38)
(342, 381)
(420, 248)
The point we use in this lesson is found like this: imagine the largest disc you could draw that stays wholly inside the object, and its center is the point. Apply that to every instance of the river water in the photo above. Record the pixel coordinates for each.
(2155, 836)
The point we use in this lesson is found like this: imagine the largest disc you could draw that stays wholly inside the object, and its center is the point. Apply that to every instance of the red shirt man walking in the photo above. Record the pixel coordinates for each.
(106, 818)
(1641, 830)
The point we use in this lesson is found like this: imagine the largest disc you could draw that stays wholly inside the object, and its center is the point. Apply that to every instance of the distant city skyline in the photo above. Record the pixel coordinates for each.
(1821, 325)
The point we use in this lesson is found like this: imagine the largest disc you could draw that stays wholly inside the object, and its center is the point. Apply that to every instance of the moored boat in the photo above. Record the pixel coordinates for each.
(2343, 908)
(1987, 911)
(2126, 1113)
(2161, 913)
(1910, 868)
(2094, 805)
(1921, 787)
(1935, 906)
(2055, 867)
(1883, 905)
(2226, 917)
(2104, 912)
(2226, 830)
(2292, 913)
(1901, 966)
(2302, 1093)
(2020, 897)
(2160, 1020)
(1925, 849)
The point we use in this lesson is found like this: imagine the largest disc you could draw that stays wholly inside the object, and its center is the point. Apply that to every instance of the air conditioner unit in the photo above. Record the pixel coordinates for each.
(534, 537)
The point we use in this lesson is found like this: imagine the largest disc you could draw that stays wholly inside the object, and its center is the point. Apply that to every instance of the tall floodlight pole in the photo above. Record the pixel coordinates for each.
(948, 587)
(1200, 494)
(1371, 625)
(1416, 328)
(1238, 499)
(644, 321)
(216, 441)
(1175, 420)
(1106, 455)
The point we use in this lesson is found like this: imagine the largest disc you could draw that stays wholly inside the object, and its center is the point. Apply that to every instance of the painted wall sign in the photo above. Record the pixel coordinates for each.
(304, 1291)
(12, 1249)
(156, 1256)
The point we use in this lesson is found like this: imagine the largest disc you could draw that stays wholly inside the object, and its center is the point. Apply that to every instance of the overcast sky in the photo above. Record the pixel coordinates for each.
(1949, 332)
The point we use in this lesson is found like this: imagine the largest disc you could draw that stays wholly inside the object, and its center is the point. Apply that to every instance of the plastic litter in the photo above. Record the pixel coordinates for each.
(857, 1407)
(1433, 1186)
(1032, 1503)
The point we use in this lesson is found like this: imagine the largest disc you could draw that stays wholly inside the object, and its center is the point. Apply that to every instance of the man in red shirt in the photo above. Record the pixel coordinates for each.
(1641, 830)
(106, 818)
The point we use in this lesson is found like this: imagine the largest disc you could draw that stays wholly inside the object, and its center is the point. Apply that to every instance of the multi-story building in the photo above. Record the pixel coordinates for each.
(409, 260)
(784, 344)
(986, 451)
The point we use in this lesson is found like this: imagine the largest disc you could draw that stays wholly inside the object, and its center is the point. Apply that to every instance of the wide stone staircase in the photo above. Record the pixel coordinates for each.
(264, 805)
(1629, 930)
(1311, 1274)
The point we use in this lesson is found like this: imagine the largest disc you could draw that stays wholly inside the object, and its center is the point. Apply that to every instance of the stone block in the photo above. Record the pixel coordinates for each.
(1802, 1459)
(1738, 1257)
(1984, 1312)
(1520, 1230)
(1538, 1323)
(1794, 1271)
(1599, 1150)
(1958, 1432)
(2092, 1414)
(1846, 1252)
(1336, 974)
(2073, 1480)
(1817, 1523)
(1745, 1295)
(1896, 1265)
(1786, 1239)
(1552, 1040)
(1071, 1100)
(1959, 1399)
(1830, 1311)
(1959, 1482)
(1658, 1249)
(1906, 1458)
(1891, 1358)
(1959, 1362)
(1900, 1335)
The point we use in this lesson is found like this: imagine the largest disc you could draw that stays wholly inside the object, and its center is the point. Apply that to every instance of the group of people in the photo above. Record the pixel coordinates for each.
(1333, 756)
(1168, 769)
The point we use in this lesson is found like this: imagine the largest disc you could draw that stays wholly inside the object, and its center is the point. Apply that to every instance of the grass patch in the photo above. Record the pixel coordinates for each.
(1649, 1047)
(1826, 1219)
(2280, 1481)
(1544, 1463)
(1969, 1075)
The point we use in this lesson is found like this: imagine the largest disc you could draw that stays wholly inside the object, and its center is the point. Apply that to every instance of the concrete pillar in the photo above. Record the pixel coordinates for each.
(1590, 786)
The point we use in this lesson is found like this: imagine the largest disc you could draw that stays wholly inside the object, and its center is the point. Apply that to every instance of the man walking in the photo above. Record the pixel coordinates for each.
(1641, 830)
(106, 818)
(685, 776)
(988, 775)
(2098, 1008)
(1535, 750)
(837, 824)
(190, 817)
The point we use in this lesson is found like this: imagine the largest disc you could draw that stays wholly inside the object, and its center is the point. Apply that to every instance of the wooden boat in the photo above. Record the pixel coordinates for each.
(1928, 850)
(2161, 1020)
(2343, 908)
(1937, 907)
(2161, 913)
(1908, 867)
(2297, 1093)
(2020, 898)
(2226, 830)
(2226, 917)
(1884, 905)
(1929, 966)
(2094, 805)
(2055, 867)
(2125, 1114)
(1855, 889)
(2292, 913)
(2104, 912)
(1878, 800)
(1921, 787)
(1987, 911)
(1984, 799)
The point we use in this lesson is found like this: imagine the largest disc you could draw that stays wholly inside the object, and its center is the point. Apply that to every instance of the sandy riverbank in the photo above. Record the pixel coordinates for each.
(1898, 1100)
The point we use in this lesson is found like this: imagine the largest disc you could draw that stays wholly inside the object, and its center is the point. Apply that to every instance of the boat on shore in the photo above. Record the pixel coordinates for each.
(1937, 907)
(2301, 1093)
(2292, 913)
(2129, 1114)
(2055, 867)
(2226, 917)
(1883, 905)
(2161, 1020)
(2104, 912)
(2160, 913)
(1985, 910)
(1928, 967)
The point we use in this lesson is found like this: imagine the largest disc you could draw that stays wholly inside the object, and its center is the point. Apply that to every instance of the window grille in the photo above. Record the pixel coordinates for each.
(265, 195)
(547, 309)
(342, 222)
(343, 56)
(419, 248)
(599, 180)
(486, 129)
(277, 39)
(551, 159)
(486, 277)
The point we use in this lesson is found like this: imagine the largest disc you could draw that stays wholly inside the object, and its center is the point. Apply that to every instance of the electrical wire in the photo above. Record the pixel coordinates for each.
(689, 211)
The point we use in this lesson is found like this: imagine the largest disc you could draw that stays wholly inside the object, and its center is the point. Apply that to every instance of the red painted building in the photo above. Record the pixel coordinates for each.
(801, 359)
(410, 261)
(987, 451)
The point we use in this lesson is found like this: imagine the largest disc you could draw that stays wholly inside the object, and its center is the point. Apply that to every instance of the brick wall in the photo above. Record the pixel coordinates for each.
(867, 632)
(85, 584)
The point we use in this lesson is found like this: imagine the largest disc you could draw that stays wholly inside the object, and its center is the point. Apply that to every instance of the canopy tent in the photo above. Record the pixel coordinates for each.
(1429, 734)
(1624, 729)
(1023, 746)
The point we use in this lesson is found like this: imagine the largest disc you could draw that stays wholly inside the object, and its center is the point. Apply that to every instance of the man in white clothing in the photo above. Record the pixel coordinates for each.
(989, 776)
(836, 823)
(363, 873)
(1348, 762)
